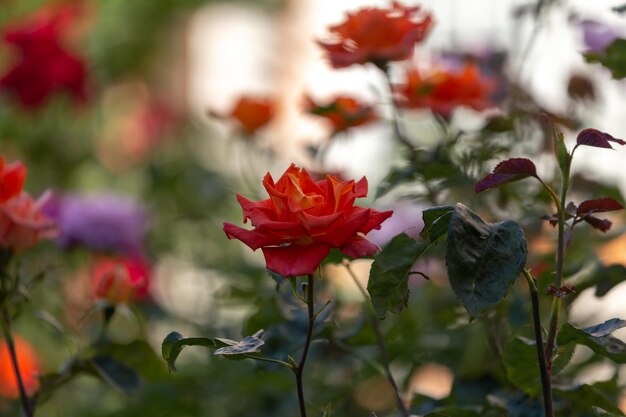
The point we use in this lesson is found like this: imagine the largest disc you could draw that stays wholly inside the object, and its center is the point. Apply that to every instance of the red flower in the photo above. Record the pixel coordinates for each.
(377, 35)
(29, 368)
(44, 66)
(303, 219)
(21, 222)
(342, 112)
(443, 91)
(250, 113)
(12, 177)
(120, 280)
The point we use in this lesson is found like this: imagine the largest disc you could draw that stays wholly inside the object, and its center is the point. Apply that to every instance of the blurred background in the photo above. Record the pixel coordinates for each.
(127, 114)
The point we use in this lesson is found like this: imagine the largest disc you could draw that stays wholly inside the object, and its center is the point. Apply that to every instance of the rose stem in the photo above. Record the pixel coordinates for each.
(6, 329)
(546, 383)
(380, 340)
(394, 110)
(299, 370)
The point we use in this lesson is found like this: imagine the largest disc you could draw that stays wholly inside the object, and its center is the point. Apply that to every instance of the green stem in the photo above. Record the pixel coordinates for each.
(380, 340)
(264, 359)
(5, 323)
(299, 370)
(395, 118)
(545, 372)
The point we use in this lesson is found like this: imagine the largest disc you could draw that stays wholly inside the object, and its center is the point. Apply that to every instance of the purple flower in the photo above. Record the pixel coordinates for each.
(101, 222)
(597, 36)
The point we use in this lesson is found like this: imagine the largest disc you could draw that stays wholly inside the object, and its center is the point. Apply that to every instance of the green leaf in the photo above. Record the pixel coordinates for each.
(609, 277)
(563, 157)
(588, 398)
(613, 57)
(389, 275)
(116, 374)
(250, 344)
(396, 177)
(522, 367)
(174, 343)
(597, 338)
(454, 412)
(436, 222)
(483, 259)
(520, 362)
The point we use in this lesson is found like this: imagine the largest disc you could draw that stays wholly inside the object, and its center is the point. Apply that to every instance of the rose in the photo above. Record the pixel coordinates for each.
(22, 223)
(377, 35)
(249, 114)
(29, 368)
(443, 91)
(304, 219)
(12, 177)
(342, 112)
(44, 66)
(120, 280)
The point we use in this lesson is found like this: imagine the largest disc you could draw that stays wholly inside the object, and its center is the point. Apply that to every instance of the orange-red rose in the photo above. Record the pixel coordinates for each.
(304, 219)
(21, 222)
(377, 35)
(249, 113)
(29, 368)
(342, 112)
(443, 91)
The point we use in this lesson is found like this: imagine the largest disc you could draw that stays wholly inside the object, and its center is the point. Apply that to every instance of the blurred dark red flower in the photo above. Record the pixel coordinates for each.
(28, 363)
(304, 219)
(120, 280)
(342, 112)
(443, 91)
(22, 223)
(43, 66)
(249, 113)
(377, 35)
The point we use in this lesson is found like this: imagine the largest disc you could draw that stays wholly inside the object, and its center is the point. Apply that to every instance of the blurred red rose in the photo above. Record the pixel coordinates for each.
(377, 35)
(444, 91)
(303, 219)
(44, 66)
(120, 280)
(12, 177)
(22, 223)
(342, 112)
(249, 113)
(29, 368)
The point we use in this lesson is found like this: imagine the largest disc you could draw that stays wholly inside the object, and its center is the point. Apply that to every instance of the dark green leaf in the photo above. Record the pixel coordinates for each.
(454, 412)
(436, 222)
(613, 57)
(588, 397)
(597, 338)
(250, 344)
(609, 277)
(483, 259)
(388, 281)
(174, 343)
(522, 366)
(116, 374)
(563, 157)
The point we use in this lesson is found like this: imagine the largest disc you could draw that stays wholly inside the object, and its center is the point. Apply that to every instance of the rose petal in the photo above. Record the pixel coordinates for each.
(252, 238)
(295, 260)
(375, 220)
(359, 248)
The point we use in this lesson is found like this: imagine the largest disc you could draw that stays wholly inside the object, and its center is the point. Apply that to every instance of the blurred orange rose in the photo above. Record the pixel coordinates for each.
(28, 364)
(249, 113)
(377, 35)
(342, 112)
(12, 177)
(443, 91)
